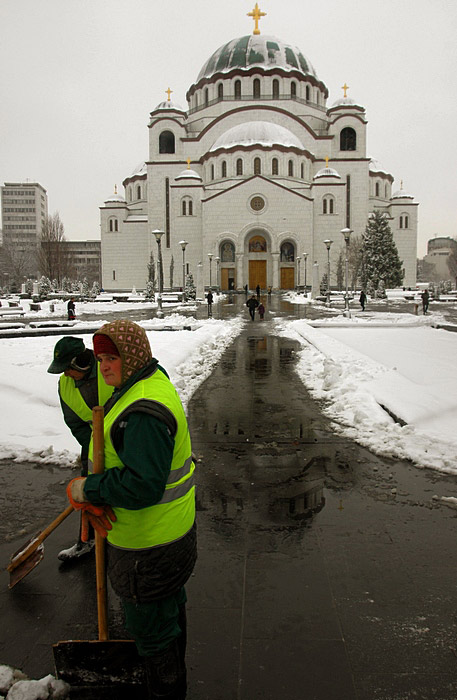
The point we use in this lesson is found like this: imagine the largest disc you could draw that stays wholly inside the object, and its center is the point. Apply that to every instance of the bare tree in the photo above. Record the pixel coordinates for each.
(53, 258)
(17, 262)
(452, 265)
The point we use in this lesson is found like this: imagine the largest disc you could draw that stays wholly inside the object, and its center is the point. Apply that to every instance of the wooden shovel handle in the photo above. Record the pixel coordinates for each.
(98, 444)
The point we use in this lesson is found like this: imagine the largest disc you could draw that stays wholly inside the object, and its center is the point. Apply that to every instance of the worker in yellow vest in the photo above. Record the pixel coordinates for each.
(148, 493)
(81, 387)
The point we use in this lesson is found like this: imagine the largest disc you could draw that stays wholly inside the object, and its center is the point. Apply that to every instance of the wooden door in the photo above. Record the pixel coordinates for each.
(257, 274)
(227, 278)
(287, 278)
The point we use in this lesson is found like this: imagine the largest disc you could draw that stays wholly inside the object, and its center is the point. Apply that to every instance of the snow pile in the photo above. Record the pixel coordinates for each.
(392, 390)
(17, 687)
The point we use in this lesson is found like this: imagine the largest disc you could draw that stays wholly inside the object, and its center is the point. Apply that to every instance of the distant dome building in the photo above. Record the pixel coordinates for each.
(257, 171)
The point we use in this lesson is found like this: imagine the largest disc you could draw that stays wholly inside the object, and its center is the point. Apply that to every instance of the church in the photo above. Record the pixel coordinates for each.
(257, 175)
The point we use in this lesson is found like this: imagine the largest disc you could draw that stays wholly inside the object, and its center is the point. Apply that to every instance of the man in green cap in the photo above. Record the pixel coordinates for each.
(81, 387)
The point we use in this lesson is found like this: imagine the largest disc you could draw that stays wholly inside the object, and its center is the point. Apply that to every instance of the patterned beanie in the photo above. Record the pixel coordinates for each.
(131, 342)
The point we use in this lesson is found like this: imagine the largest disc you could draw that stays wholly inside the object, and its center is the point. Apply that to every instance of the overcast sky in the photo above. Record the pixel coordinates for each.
(79, 79)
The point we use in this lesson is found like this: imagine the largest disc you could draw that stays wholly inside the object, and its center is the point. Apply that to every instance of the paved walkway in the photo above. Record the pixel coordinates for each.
(324, 573)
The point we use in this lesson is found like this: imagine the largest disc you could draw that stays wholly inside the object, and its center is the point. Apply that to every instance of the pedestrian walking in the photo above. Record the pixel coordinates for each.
(209, 299)
(269, 290)
(71, 310)
(81, 387)
(252, 304)
(261, 310)
(144, 502)
(246, 289)
(257, 289)
(363, 299)
(425, 300)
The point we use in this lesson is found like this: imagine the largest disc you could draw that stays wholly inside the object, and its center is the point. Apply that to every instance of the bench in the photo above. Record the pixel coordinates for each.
(172, 297)
(16, 311)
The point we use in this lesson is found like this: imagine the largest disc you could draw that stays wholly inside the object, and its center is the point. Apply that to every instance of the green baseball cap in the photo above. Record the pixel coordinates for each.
(65, 350)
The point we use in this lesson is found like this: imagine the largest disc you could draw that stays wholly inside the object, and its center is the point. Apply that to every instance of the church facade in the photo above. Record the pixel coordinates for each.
(255, 175)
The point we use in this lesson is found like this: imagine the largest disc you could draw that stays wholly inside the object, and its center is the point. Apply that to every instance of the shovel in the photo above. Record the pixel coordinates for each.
(32, 552)
(103, 667)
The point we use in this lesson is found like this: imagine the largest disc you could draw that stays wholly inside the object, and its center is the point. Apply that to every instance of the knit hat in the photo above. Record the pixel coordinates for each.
(66, 349)
(131, 344)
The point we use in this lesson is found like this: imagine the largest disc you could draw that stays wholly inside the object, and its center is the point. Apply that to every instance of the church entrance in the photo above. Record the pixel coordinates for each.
(257, 274)
(227, 278)
(287, 278)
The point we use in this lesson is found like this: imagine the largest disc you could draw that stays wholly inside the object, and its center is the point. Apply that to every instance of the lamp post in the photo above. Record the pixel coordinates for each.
(210, 255)
(183, 246)
(218, 262)
(298, 272)
(305, 258)
(158, 236)
(346, 232)
(328, 243)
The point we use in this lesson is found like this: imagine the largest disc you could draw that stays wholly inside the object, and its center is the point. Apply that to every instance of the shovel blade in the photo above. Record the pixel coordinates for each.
(25, 567)
(113, 665)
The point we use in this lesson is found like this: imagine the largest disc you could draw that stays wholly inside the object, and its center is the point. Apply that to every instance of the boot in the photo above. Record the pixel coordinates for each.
(77, 550)
(166, 674)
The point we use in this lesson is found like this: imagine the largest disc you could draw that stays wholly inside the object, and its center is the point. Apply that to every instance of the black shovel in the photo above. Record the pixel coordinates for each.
(103, 667)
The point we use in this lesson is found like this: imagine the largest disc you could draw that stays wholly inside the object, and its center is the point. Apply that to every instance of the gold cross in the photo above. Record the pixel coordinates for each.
(168, 93)
(115, 189)
(256, 14)
(345, 88)
(188, 164)
(326, 161)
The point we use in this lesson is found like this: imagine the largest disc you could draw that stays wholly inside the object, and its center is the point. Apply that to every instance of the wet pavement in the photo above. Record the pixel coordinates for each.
(324, 572)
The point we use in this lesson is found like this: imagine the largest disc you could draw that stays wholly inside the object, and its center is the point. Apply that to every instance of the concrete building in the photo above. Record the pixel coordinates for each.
(438, 251)
(85, 260)
(255, 174)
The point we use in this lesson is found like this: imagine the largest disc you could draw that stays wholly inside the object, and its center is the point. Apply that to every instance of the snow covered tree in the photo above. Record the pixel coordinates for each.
(323, 285)
(54, 285)
(152, 270)
(172, 269)
(85, 287)
(381, 290)
(340, 269)
(95, 291)
(380, 253)
(150, 293)
(44, 287)
(29, 287)
(191, 291)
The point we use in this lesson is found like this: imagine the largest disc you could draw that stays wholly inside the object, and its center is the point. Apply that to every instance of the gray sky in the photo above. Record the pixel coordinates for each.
(79, 79)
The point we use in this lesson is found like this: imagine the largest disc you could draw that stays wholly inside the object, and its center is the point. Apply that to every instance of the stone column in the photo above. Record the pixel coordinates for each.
(240, 281)
(275, 266)
(200, 287)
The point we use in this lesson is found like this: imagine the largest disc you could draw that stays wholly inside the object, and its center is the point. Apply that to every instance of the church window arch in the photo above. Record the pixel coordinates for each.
(257, 166)
(256, 88)
(385, 191)
(290, 168)
(275, 166)
(287, 252)
(328, 204)
(167, 142)
(220, 91)
(275, 89)
(293, 89)
(257, 244)
(187, 206)
(206, 97)
(212, 172)
(404, 221)
(227, 251)
(376, 189)
(138, 192)
(224, 168)
(237, 89)
(307, 93)
(113, 224)
(130, 194)
(302, 171)
(239, 166)
(348, 139)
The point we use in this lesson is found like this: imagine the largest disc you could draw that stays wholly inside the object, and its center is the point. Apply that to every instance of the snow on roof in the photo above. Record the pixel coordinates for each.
(140, 169)
(116, 198)
(188, 174)
(376, 166)
(169, 105)
(257, 133)
(346, 102)
(326, 172)
(401, 194)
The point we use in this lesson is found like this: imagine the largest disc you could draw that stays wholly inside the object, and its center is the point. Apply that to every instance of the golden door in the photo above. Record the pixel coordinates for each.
(257, 274)
(227, 278)
(287, 278)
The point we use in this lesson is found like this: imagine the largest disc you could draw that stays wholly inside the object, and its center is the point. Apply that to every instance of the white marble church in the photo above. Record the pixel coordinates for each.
(255, 175)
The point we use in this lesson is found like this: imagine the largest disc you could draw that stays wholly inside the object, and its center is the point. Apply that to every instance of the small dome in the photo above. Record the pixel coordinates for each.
(268, 52)
(326, 172)
(401, 194)
(141, 169)
(257, 134)
(168, 105)
(376, 166)
(188, 174)
(346, 102)
(119, 199)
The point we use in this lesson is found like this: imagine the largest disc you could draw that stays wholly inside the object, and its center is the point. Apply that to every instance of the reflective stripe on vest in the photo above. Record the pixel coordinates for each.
(173, 516)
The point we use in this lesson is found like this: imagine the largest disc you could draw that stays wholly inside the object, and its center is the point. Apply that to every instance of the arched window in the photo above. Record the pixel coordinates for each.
(184, 207)
(385, 191)
(302, 171)
(257, 166)
(404, 221)
(130, 194)
(237, 89)
(293, 89)
(256, 87)
(206, 97)
(275, 89)
(239, 166)
(287, 252)
(138, 192)
(190, 207)
(224, 169)
(167, 142)
(187, 206)
(212, 172)
(328, 205)
(227, 251)
(376, 189)
(113, 224)
(257, 244)
(274, 167)
(348, 139)
(220, 91)
(291, 168)
(307, 93)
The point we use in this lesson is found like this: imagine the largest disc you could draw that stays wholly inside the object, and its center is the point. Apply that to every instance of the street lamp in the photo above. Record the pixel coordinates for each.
(210, 255)
(158, 236)
(298, 272)
(183, 246)
(218, 262)
(328, 243)
(305, 258)
(347, 236)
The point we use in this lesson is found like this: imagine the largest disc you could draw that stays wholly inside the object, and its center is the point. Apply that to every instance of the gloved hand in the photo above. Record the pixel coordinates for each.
(75, 492)
(101, 523)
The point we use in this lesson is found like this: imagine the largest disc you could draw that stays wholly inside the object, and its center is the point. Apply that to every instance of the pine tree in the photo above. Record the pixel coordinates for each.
(172, 268)
(95, 289)
(44, 287)
(149, 294)
(380, 253)
(191, 291)
(85, 287)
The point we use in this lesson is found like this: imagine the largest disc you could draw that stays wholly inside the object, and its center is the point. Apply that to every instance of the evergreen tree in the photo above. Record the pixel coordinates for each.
(191, 291)
(44, 287)
(381, 290)
(150, 293)
(340, 269)
(172, 268)
(95, 291)
(85, 287)
(323, 285)
(380, 253)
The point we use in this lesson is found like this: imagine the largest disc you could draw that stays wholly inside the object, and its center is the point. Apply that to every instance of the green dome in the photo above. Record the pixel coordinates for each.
(266, 52)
